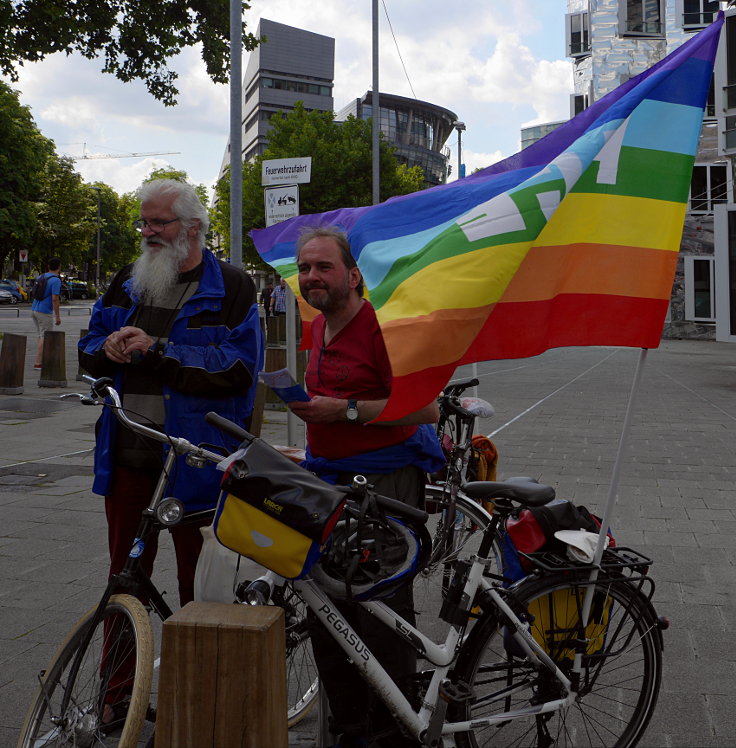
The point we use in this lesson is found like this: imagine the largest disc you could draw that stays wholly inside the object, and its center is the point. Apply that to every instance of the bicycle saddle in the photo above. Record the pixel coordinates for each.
(526, 491)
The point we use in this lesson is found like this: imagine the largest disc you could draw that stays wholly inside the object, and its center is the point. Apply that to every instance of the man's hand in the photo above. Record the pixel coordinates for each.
(320, 409)
(120, 345)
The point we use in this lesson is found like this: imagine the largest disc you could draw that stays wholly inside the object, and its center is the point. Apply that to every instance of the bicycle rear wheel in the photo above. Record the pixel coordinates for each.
(619, 683)
(117, 658)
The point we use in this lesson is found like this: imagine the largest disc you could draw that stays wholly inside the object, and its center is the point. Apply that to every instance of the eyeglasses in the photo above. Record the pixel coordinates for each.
(157, 226)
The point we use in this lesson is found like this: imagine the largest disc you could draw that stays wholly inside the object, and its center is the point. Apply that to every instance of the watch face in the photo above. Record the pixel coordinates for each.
(352, 411)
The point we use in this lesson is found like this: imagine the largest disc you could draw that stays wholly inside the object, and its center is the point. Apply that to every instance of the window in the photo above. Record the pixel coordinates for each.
(577, 32)
(578, 103)
(709, 186)
(642, 17)
(697, 13)
(699, 289)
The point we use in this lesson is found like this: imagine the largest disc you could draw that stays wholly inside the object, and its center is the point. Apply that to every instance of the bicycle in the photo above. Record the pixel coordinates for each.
(112, 646)
(518, 665)
(451, 530)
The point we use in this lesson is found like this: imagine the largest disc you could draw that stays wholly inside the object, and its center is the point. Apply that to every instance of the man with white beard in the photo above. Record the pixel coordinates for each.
(179, 332)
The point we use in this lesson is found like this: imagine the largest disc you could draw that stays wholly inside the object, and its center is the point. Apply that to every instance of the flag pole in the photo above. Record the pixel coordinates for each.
(611, 498)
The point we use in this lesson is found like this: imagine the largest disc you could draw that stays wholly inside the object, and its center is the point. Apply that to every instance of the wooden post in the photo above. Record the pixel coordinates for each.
(53, 370)
(12, 364)
(223, 678)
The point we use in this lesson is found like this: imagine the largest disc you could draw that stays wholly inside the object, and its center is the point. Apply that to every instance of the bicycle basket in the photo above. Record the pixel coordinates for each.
(371, 556)
(275, 512)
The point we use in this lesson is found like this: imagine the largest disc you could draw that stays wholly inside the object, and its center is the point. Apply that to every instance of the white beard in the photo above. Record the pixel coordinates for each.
(156, 272)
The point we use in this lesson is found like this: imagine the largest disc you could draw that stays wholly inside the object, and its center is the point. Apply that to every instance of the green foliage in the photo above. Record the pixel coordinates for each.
(62, 225)
(341, 171)
(135, 38)
(119, 241)
(22, 159)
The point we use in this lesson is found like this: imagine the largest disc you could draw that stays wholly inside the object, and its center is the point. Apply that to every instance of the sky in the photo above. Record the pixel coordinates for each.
(498, 65)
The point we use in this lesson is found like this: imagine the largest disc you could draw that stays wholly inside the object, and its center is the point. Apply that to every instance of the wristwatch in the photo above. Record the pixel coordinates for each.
(352, 411)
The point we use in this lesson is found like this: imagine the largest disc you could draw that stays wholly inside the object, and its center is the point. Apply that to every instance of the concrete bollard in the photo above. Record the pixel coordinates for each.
(53, 371)
(12, 364)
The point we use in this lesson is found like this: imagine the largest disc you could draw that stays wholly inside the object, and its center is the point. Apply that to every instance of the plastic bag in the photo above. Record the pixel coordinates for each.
(219, 571)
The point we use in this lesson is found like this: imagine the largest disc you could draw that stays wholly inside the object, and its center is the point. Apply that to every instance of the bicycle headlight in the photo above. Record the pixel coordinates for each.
(169, 511)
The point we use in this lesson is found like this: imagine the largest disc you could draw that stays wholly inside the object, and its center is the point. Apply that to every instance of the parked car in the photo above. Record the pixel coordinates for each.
(7, 298)
(13, 289)
(79, 289)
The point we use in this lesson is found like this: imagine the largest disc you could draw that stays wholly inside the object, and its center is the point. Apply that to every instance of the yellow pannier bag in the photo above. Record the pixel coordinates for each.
(557, 621)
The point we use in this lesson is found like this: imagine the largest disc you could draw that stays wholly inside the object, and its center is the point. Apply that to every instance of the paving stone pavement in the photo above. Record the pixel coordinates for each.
(558, 418)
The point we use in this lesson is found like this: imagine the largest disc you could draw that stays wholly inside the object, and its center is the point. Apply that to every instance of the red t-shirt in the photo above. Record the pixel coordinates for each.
(354, 365)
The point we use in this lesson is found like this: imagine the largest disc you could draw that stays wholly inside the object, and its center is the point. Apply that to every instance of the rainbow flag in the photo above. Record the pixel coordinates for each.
(573, 241)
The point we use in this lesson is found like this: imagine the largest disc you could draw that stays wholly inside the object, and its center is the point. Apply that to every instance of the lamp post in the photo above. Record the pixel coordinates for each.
(97, 265)
(459, 126)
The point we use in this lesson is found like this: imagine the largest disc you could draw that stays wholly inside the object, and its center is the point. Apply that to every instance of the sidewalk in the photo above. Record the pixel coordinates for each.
(558, 418)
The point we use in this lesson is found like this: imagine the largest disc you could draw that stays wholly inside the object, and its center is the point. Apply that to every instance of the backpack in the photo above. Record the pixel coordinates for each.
(39, 287)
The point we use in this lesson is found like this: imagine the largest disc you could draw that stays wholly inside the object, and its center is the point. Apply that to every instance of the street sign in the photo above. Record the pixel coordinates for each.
(23, 255)
(281, 203)
(286, 171)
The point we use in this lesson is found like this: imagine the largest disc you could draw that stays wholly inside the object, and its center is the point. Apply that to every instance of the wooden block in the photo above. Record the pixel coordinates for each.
(12, 364)
(53, 370)
(223, 678)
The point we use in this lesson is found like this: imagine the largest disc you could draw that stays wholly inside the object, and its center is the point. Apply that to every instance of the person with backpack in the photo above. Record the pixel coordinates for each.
(46, 292)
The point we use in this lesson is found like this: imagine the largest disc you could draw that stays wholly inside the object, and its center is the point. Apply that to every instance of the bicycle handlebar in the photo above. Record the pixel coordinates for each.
(222, 423)
(459, 386)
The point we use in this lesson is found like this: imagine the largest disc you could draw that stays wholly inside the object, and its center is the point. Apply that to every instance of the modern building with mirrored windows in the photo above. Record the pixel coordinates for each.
(417, 129)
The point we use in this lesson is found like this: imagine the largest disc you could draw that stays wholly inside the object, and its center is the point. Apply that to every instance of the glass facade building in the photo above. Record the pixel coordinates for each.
(417, 130)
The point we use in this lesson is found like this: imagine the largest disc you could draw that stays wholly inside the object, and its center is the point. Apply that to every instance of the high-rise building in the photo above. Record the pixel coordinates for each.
(417, 130)
(289, 65)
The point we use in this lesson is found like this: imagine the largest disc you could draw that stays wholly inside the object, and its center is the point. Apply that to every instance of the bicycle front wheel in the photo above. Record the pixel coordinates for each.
(452, 538)
(116, 668)
(618, 686)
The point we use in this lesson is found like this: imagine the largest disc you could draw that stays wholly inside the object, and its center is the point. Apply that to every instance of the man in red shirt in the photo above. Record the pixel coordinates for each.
(349, 380)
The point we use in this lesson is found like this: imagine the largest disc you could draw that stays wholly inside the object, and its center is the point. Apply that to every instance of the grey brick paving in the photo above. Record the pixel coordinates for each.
(676, 503)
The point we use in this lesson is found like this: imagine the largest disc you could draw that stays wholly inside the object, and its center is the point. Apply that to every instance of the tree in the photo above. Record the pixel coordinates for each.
(119, 241)
(63, 228)
(341, 171)
(22, 158)
(135, 38)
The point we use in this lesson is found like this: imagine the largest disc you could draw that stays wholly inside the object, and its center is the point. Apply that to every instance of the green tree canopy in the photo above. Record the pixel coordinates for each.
(134, 37)
(22, 159)
(341, 171)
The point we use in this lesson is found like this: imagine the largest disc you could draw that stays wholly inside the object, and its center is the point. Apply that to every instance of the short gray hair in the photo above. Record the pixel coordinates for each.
(186, 204)
(339, 237)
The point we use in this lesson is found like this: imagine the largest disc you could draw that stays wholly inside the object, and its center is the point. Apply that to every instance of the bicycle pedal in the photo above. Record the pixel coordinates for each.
(455, 692)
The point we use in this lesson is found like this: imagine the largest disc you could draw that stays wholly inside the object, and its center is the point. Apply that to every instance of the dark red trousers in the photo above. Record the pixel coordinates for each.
(130, 494)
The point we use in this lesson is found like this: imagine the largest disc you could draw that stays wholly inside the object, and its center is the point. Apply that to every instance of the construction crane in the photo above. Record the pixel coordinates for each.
(86, 157)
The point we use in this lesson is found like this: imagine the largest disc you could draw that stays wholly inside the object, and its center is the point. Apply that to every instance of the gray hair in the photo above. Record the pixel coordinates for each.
(186, 204)
(339, 237)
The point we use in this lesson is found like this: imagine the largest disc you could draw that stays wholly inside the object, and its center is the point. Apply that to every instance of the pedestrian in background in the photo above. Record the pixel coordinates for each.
(266, 299)
(46, 309)
(278, 298)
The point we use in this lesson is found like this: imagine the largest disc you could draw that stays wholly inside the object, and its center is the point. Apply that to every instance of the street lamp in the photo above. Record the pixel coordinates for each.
(97, 265)
(459, 126)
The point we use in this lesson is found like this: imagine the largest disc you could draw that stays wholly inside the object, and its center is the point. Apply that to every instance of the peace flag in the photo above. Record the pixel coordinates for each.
(571, 242)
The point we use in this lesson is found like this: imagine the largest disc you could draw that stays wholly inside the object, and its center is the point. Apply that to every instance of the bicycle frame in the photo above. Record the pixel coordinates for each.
(431, 714)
